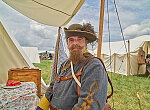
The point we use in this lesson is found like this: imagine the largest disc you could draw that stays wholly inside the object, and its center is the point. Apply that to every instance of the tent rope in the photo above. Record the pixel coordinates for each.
(110, 48)
(137, 95)
(120, 25)
(121, 63)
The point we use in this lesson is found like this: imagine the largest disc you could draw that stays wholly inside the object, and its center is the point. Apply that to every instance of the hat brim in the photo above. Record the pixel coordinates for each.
(88, 35)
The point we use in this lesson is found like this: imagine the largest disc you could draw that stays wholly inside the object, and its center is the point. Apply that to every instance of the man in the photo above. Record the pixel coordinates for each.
(81, 83)
(147, 64)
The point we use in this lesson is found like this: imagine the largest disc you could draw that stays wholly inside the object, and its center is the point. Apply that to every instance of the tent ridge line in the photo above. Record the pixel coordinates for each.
(51, 8)
(74, 12)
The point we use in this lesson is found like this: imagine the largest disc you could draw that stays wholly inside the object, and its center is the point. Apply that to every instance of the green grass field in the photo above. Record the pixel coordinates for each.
(124, 97)
(46, 68)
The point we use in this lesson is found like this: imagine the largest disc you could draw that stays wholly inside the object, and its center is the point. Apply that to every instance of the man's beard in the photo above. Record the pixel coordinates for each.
(76, 56)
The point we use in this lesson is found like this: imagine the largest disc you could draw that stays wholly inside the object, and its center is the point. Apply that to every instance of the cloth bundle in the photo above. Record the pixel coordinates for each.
(13, 83)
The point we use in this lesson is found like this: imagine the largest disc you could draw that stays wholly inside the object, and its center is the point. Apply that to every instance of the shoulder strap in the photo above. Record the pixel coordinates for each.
(112, 90)
(79, 77)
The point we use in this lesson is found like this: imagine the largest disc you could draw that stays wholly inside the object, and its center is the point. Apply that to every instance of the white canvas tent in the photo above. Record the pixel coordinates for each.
(49, 12)
(32, 54)
(121, 62)
(12, 56)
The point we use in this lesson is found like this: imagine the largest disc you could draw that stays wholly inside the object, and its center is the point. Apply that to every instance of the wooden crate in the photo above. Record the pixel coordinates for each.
(26, 75)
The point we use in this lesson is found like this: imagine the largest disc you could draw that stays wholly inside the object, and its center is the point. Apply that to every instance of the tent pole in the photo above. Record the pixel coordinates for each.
(100, 28)
(147, 48)
(128, 59)
(103, 56)
(114, 62)
(56, 58)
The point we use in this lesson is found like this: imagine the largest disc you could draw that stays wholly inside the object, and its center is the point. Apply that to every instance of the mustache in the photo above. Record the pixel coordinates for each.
(76, 47)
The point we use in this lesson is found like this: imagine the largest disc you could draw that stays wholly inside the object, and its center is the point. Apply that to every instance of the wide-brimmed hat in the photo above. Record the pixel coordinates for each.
(85, 30)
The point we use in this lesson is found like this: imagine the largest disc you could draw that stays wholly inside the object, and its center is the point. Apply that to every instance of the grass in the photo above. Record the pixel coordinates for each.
(46, 68)
(124, 97)
(125, 93)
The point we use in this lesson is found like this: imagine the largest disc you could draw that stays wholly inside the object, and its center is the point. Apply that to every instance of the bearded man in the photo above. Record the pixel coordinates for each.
(81, 83)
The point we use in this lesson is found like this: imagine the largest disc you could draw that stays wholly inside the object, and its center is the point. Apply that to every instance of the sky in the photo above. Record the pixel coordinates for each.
(134, 17)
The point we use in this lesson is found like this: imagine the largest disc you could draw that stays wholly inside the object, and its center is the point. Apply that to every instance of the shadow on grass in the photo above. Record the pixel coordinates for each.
(143, 75)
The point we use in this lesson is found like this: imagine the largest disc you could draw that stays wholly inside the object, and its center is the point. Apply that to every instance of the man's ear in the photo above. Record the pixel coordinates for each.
(86, 41)
(67, 41)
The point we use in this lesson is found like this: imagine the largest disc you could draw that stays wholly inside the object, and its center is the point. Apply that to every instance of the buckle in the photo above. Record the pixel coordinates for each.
(58, 79)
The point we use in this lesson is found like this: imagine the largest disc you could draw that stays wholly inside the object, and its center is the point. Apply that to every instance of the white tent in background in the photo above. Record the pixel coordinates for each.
(121, 62)
(12, 56)
(32, 53)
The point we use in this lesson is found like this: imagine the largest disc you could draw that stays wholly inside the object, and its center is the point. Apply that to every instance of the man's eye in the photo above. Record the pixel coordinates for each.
(80, 39)
(70, 40)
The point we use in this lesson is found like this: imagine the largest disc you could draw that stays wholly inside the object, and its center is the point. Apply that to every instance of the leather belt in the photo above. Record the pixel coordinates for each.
(68, 77)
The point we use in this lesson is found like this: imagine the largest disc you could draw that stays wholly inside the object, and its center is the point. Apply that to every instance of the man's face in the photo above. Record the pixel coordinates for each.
(77, 46)
(76, 43)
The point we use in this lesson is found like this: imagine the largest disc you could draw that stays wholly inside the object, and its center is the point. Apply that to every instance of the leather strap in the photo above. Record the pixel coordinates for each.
(67, 77)
(86, 63)
(78, 75)
(78, 87)
(106, 73)
(112, 90)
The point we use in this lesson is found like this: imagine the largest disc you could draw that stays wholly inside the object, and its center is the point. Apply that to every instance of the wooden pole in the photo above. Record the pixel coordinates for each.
(56, 58)
(100, 28)
(147, 48)
(103, 56)
(128, 59)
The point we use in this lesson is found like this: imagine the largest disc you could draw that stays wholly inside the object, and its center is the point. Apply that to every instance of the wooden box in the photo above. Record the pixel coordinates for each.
(26, 75)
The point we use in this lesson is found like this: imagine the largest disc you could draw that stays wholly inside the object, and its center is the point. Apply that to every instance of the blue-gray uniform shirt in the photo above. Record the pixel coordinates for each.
(63, 94)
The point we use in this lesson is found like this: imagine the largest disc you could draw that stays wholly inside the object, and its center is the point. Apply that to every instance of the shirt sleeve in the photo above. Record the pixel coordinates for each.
(49, 90)
(93, 91)
(44, 104)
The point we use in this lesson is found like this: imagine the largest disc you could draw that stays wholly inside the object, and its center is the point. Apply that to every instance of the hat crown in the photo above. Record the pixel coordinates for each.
(85, 27)
(75, 27)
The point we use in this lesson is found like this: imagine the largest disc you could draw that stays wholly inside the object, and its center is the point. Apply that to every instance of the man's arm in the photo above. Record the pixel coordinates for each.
(93, 91)
(45, 101)
(44, 104)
